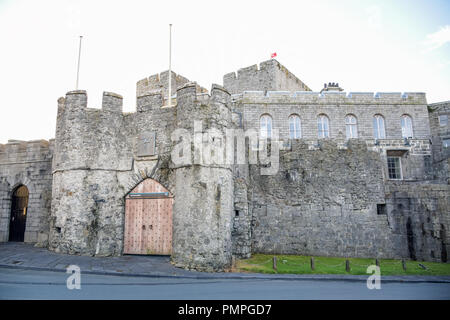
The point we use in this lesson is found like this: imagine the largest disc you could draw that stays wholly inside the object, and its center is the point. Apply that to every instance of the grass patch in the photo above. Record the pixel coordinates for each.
(262, 263)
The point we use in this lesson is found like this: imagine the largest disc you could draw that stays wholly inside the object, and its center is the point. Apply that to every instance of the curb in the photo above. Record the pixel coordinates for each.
(252, 276)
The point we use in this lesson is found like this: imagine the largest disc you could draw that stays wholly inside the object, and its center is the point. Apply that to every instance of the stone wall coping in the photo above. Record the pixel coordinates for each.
(76, 92)
(112, 94)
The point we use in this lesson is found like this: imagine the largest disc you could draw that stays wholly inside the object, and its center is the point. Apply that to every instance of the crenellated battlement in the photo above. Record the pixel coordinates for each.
(269, 75)
(152, 92)
(18, 151)
(265, 66)
(189, 93)
(307, 97)
(159, 84)
(78, 100)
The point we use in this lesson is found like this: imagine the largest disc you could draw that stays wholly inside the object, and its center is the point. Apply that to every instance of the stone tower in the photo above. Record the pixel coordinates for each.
(204, 189)
(86, 215)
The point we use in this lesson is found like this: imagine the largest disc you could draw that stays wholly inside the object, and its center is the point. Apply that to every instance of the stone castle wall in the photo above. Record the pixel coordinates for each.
(283, 215)
(327, 201)
(27, 163)
(322, 202)
(329, 197)
(418, 214)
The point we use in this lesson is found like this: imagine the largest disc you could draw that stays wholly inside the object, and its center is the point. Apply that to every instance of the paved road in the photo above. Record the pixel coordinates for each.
(31, 284)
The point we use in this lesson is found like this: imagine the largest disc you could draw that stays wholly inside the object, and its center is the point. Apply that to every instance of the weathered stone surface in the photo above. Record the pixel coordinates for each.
(440, 133)
(324, 202)
(418, 214)
(30, 164)
(204, 202)
(321, 202)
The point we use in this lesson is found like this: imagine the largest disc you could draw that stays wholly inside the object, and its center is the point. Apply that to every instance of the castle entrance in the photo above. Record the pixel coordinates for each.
(18, 218)
(148, 219)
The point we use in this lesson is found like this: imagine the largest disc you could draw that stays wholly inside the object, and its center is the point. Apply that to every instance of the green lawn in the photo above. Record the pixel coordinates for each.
(262, 263)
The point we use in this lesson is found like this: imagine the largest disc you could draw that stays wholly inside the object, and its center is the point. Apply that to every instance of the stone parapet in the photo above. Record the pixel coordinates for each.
(308, 97)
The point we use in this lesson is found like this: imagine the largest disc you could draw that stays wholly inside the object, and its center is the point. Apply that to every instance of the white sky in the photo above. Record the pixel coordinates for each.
(375, 46)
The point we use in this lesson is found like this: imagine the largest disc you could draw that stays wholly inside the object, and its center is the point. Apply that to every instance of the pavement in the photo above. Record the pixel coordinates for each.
(16, 255)
(47, 285)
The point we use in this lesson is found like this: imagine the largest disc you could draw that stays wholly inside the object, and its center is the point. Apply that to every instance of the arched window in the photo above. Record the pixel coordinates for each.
(323, 126)
(407, 130)
(378, 127)
(295, 128)
(265, 126)
(351, 127)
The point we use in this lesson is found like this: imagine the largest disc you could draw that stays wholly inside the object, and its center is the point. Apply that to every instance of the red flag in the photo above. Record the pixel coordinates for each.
(273, 55)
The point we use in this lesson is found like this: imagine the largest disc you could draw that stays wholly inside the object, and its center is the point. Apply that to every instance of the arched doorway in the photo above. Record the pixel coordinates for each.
(148, 219)
(18, 218)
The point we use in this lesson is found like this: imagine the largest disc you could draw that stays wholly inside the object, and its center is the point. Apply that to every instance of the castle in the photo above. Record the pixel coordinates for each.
(259, 165)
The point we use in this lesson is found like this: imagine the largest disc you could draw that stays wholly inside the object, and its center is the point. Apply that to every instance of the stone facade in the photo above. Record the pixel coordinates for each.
(327, 202)
(440, 137)
(30, 164)
(328, 196)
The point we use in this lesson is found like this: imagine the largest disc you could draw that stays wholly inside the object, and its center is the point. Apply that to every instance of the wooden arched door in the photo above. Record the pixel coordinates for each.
(18, 218)
(148, 220)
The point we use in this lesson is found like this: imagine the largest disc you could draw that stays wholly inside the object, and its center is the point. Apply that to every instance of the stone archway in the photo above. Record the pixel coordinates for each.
(18, 217)
(148, 219)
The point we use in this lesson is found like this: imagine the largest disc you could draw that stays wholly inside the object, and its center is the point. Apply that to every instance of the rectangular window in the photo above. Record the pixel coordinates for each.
(381, 209)
(446, 143)
(443, 120)
(394, 168)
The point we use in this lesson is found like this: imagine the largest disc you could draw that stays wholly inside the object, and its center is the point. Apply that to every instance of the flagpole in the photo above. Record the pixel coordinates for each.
(78, 67)
(170, 66)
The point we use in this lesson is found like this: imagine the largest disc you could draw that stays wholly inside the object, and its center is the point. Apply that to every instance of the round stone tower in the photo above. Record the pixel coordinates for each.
(87, 202)
(204, 185)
